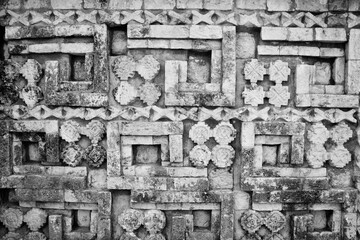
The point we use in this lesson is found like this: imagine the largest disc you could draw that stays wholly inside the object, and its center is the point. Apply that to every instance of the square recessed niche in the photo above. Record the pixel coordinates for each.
(199, 67)
(147, 154)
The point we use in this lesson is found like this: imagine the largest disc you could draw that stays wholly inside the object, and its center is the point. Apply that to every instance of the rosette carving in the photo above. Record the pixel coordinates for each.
(72, 154)
(124, 67)
(320, 150)
(251, 221)
(222, 156)
(200, 156)
(131, 219)
(12, 218)
(125, 93)
(69, 131)
(149, 93)
(31, 71)
(224, 133)
(94, 130)
(148, 67)
(12, 236)
(35, 219)
(95, 155)
(35, 236)
(154, 221)
(275, 221)
(200, 133)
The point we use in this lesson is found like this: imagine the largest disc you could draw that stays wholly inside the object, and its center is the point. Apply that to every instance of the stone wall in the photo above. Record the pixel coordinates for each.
(179, 119)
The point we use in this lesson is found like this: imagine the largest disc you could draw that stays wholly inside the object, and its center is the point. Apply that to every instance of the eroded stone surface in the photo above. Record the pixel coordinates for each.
(175, 119)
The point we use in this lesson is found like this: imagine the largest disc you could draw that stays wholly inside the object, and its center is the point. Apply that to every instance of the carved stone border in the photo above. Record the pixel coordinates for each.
(115, 150)
(255, 177)
(14, 148)
(332, 199)
(98, 96)
(169, 198)
(180, 93)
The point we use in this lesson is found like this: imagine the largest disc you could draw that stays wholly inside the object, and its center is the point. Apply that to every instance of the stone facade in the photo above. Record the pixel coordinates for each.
(179, 119)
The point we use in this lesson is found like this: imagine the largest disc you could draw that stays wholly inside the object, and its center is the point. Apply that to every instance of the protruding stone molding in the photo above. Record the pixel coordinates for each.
(122, 136)
(223, 199)
(123, 68)
(154, 113)
(72, 154)
(174, 17)
(222, 154)
(278, 72)
(45, 133)
(317, 154)
(251, 221)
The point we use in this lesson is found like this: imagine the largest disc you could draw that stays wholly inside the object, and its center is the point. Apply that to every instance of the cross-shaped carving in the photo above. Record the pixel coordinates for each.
(353, 20)
(61, 17)
(225, 18)
(159, 113)
(113, 17)
(177, 18)
(132, 113)
(238, 113)
(270, 19)
(205, 18)
(337, 20)
(153, 18)
(216, 114)
(278, 95)
(255, 113)
(21, 18)
(250, 20)
(254, 95)
(279, 71)
(292, 20)
(132, 16)
(40, 17)
(254, 71)
(90, 17)
(311, 20)
(106, 114)
(340, 115)
(281, 114)
(182, 113)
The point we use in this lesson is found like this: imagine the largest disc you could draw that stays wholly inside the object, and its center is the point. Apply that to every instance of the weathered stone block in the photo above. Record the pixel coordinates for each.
(159, 4)
(95, 4)
(251, 5)
(353, 53)
(338, 5)
(66, 4)
(280, 5)
(126, 4)
(83, 218)
(185, 4)
(36, 4)
(330, 35)
(245, 45)
(354, 5)
(55, 227)
(274, 33)
(300, 34)
(218, 5)
(352, 85)
(43, 195)
(313, 6)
